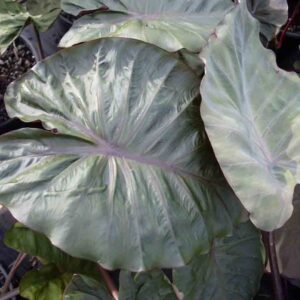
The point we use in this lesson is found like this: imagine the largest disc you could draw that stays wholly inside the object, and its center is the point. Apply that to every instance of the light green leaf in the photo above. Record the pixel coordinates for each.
(130, 180)
(171, 25)
(35, 244)
(14, 16)
(85, 288)
(48, 283)
(152, 285)
(251, 111)
(271, 13)
(230, 271)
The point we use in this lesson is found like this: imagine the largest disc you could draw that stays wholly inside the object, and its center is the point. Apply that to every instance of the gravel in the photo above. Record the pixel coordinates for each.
(13, 64)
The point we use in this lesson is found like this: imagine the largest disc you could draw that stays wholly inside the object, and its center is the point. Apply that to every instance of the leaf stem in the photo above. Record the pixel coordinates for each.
(277, 283)
(10, 294)
(12, 272)
(288, 24)
(109, 283)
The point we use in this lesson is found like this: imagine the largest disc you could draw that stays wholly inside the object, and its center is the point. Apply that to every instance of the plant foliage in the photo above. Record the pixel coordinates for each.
(127, 172)
(50, 281)
(171, 25)
(260, 119)
(131, 159)
(14, 15)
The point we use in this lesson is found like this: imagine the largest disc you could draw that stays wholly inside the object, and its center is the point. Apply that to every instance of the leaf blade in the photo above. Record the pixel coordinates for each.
(232, 269)
(126, 182)
(262, 170)
(164, 24)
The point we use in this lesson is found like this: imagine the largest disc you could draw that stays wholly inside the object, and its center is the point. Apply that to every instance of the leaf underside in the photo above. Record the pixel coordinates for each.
(256, 141)
(129, 180)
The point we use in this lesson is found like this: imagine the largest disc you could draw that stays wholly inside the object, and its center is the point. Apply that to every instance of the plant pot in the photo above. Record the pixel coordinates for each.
(49, 39)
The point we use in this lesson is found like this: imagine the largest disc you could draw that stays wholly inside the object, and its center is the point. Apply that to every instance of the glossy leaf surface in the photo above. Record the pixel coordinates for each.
(14, 16)
(230, 271)
(129, 179)
(35, 244)
(85, 288)
(150, 285)
(251, 111)
(171, 25)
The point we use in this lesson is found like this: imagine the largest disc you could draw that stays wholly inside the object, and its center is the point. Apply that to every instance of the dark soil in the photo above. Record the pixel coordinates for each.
(13, 63)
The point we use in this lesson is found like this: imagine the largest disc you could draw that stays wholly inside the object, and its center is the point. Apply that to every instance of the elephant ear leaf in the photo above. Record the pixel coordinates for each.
(231, 270)
(251, 111)
(126, 176)
(15, 15)
(171, 25)
(271, 13)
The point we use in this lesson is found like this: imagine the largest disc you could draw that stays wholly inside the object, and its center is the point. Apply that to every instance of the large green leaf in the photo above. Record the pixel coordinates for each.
(271, 13)
(35, 244)
(152, 285)
(15, 15)
(230, 271)
(251, 111)
(171, 25)
(48, 283)
(85, 288)
(130, 180)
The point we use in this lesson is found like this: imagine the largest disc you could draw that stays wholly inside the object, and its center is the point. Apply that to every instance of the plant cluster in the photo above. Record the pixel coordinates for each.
(171, 137)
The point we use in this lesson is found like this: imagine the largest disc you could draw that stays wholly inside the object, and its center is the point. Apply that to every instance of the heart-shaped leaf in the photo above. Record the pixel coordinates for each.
(85, 288)
(14, 15)
(251, 111)
(130, 180)
(230, 271)
(171, 25)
